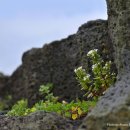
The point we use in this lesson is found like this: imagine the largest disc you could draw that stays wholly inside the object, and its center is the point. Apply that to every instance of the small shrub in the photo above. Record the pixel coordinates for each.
(45, 90)
(19, 109)
(96, 84)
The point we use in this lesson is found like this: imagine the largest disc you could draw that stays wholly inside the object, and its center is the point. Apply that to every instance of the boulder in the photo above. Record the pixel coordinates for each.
(3, 87)
(55, 63)
(112, 112)
(37, 121)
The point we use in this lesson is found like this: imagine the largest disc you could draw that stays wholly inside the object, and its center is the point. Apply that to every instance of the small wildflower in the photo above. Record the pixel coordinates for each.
(86, 77)
(64, 102)
(79, 68)
(95, 66)
(75, 70)
(92, 52)
(101, 77)
(90, 95)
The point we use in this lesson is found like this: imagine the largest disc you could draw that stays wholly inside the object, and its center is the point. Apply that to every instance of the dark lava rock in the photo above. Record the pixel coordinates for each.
(3, 112)
(3, 85)
(37, 121)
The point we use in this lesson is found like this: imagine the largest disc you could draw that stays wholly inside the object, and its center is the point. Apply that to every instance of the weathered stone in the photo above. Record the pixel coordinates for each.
(37, 121)
(55, 63)
(119, 31)
(3, 81)
(112, 112)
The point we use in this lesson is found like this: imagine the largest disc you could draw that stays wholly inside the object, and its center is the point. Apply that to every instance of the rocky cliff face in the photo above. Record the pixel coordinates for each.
(55, 63)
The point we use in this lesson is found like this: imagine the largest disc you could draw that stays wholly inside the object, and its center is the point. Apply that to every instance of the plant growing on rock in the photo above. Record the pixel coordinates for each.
(45, 90)
(19, 109)
(72, 110)
(96, 84)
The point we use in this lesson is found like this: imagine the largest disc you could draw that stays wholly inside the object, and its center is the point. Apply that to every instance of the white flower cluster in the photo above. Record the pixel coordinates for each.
(92, 52)
(86, 77)
(79, 68)
(107, 65)
(95, 66)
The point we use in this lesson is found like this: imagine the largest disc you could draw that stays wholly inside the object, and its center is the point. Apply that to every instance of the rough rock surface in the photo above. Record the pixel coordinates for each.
(113, 110)
(55, 63)
(37, 121)
(3, 81)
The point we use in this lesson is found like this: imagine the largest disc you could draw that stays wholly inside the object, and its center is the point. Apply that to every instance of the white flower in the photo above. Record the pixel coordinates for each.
(92, 52)
(86, 77)
(109, 62)
(75, 70)
(90, 95)
(94, 66)
(107, 65)
(79, 68)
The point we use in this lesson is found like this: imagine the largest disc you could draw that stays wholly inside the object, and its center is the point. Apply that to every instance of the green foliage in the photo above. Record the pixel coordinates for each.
(73, 110)
(96, 84)
(19, 109)
(66, 109)
(45, 90)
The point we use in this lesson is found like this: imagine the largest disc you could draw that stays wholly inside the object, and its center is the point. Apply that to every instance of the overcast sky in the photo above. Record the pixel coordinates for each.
(31, 23)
